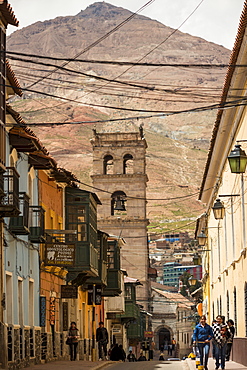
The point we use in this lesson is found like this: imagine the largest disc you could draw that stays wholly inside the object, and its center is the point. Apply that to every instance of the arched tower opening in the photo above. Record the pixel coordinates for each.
(118, 201)
(108, 164)
(128, 167)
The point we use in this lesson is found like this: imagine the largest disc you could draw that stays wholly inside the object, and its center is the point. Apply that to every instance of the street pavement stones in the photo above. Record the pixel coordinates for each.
(230, 365)
(72, 365)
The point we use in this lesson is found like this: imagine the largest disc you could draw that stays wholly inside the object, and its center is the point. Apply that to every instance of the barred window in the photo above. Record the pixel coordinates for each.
(227, 306)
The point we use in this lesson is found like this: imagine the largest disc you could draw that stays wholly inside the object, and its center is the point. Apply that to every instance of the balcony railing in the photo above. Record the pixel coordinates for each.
(37, 224)
(2, 146)
(113, 287)
(19, 225)
(9, 204)
(1, 185)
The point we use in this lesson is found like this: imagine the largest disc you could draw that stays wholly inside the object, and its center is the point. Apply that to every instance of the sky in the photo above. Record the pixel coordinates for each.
(213, 20)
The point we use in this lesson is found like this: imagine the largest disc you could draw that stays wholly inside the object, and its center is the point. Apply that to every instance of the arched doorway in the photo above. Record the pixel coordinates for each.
(164, 337)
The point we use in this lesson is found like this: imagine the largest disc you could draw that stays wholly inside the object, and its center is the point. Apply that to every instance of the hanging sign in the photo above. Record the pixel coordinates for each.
(69, 291)
(60, 254)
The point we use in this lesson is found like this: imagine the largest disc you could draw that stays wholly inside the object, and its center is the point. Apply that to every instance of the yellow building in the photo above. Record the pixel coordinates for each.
(224, 255)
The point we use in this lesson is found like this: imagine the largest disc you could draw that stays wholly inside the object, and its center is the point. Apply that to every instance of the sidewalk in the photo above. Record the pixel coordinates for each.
(72, 365)
(230, 365)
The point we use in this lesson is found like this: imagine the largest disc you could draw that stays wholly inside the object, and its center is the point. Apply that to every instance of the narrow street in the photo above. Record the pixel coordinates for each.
(149, 365)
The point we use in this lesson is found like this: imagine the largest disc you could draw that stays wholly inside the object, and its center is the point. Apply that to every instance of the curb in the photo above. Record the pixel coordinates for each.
(190, 364)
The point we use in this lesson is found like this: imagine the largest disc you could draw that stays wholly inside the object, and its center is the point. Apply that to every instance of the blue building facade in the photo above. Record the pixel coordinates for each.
(173, 271)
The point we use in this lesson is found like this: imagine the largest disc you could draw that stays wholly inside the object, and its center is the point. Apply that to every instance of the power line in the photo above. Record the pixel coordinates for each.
(157, 46)
(221, 106)
(100, 39)
(119, 63)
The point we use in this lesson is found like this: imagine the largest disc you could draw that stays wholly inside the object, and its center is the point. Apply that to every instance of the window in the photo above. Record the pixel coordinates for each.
(31, 303)
(9, 298)
(227, 305)
(20, 301)
(245, 307)
(77, 217)
(128, 292)
(235, 308)
(108, 165)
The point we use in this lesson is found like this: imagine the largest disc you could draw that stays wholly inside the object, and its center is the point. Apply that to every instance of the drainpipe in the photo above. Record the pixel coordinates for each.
(243, 211)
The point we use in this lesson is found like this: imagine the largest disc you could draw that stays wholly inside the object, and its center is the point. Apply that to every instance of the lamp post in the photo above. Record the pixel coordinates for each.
(231, 196)
(218, 210)
(192, 281)
(237, 162)
(202, 237)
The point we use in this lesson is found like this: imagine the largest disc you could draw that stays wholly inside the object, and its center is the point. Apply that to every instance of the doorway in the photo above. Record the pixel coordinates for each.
(164, 336)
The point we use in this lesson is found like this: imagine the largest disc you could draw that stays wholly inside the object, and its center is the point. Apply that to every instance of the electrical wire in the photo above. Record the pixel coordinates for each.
(118, 63)
(157, 46)
(101, 38)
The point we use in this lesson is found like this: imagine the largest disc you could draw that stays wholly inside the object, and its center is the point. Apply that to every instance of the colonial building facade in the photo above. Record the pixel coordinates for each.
(224, 255)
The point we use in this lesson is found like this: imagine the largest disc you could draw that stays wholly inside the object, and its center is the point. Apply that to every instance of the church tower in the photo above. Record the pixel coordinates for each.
(120, 181)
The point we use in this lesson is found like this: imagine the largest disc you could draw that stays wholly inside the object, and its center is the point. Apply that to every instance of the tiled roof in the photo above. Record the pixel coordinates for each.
(230, 71)
(24, 139)
(8, 14)
(175, 298)
(12, 79)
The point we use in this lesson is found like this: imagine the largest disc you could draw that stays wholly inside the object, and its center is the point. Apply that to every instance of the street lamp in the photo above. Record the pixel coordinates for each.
(218, 210)
(192, 281)
(202, 237)
(237, 160)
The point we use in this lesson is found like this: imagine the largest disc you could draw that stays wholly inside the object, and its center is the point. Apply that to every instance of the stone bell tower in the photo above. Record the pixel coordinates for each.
(119, 172)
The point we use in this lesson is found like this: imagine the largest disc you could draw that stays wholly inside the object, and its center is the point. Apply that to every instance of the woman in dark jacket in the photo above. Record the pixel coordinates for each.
(201, 337)
(73, 335)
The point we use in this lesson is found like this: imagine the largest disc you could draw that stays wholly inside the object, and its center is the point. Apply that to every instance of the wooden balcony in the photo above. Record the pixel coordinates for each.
(9, 204)
(1, 185)
(113, 287)
(19, 225)
(37, 224)
(81, 216)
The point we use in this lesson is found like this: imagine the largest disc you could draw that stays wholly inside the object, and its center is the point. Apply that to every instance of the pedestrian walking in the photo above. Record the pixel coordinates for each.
(169, 351)
(72, 339)
(231, 329)
(201, 337)
(173, 344)
(102, 339)
(221, 336)
(213, 342)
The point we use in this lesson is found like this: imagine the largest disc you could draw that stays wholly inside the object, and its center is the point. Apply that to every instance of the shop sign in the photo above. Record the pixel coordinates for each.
(69, 291)
(148, 334)
(60, 254)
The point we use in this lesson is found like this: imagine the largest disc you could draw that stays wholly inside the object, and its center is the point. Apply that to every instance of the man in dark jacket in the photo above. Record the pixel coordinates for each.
(102, 339)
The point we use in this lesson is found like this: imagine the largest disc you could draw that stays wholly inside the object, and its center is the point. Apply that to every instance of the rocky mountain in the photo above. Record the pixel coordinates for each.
(177, 143)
